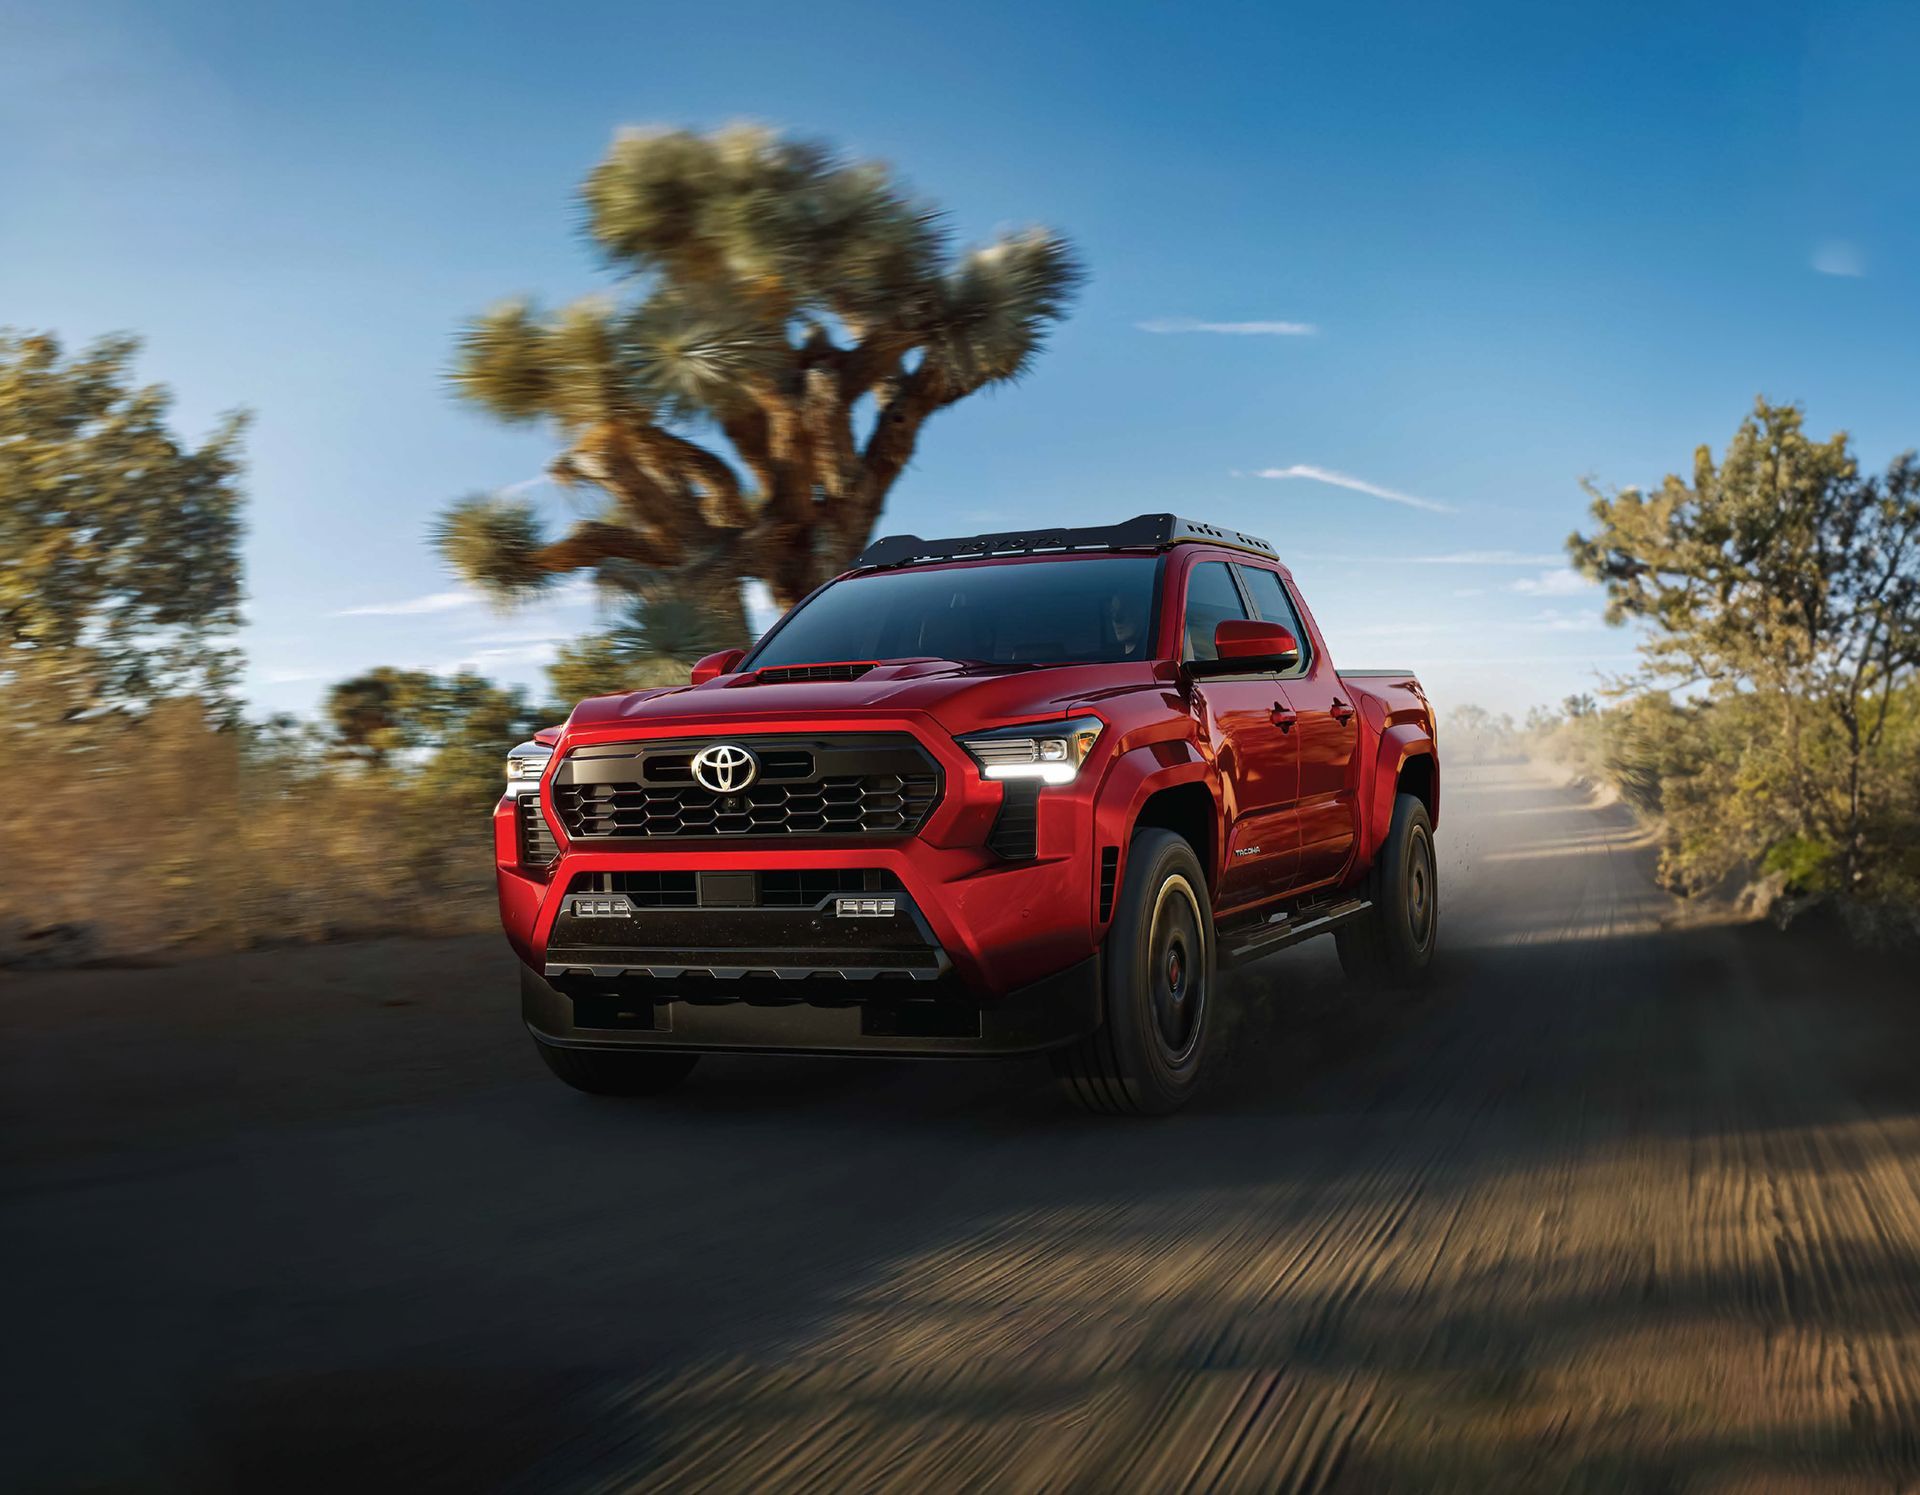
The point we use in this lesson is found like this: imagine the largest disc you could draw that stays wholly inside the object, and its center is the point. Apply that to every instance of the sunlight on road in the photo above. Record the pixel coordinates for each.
(1624, 1201)
(1533, 1235)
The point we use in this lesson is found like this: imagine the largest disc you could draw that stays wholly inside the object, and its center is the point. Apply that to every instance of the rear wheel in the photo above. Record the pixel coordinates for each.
(612, 1072)
(1394, 940)
(1157, 973)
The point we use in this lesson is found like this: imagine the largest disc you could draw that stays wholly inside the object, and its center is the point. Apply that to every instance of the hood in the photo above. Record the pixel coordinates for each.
(961, 696)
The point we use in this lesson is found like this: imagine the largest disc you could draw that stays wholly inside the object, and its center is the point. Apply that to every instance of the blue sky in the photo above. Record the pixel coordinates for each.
(1533, 243)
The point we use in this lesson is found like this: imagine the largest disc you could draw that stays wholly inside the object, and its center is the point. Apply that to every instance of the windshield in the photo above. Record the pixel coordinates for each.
(1087, 610)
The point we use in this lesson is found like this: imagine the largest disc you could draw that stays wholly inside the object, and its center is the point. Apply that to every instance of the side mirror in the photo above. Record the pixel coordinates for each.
(715, 665)
(1246, 647)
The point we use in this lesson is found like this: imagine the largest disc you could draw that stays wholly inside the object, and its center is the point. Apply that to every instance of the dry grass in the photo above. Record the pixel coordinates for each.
(164, 836)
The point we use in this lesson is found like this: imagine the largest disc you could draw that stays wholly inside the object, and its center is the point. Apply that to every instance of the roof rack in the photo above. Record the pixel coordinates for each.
(1142, 532)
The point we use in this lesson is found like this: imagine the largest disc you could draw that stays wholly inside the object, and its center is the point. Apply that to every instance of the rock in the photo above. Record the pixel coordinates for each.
(1766, 898)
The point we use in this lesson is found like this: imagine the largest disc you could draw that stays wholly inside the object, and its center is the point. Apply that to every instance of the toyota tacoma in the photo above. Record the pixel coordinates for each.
(1004, 794)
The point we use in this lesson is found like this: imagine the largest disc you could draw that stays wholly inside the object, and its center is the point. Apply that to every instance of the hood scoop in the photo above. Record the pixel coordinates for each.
(788, 674)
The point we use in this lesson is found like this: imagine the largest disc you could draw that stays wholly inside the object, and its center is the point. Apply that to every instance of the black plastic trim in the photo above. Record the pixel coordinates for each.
(537, 846)
(1015, 836)
(887, 1019)
(1142, 532)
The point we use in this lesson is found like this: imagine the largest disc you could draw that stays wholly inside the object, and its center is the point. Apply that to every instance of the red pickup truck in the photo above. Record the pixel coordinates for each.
(995, 795)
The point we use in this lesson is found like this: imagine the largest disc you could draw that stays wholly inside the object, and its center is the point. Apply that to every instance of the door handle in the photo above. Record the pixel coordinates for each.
(1284, 718)
(1340, 711)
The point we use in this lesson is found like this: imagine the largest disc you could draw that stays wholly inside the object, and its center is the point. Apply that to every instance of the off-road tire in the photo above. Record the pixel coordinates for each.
(610, 1072)
(1158, 993)
(1393, 942)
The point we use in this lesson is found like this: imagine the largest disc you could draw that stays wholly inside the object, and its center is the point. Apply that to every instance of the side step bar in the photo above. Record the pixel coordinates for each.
(1283, 930)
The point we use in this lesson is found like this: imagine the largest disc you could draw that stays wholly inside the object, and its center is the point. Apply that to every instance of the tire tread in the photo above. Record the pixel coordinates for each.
(1094, 1070)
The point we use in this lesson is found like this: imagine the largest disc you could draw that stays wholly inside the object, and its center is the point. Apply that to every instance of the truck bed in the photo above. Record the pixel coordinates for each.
(1399, 693)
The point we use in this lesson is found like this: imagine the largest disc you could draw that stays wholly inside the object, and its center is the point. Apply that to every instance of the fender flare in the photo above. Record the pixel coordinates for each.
(1399, 744)
(1133, 778)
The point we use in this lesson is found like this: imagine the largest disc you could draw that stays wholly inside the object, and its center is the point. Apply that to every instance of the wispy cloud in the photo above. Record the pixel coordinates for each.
(1398, 630)
(1357, 485)
(1476, 558)
(1558, 620)
(482, 640)
(483, 660)
(292, 675)
(410, 607)
(1838, 257)
(1562, 582)
(571, 592)
(1451, 558)
(1232, 329)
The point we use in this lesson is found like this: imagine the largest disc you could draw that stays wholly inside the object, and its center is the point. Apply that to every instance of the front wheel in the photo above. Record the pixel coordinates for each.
(1394, 940)
(1157, 974)
(613, 1072)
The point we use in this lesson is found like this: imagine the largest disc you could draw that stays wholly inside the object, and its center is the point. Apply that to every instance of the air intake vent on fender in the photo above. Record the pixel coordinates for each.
(1016, 829)
(1109, 867)
(537, 846)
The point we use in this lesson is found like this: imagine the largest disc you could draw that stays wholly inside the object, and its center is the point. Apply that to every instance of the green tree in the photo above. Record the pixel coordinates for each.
(382, 714)
(445, 734)
(119, 544)
(785, 324)
(1782, 575)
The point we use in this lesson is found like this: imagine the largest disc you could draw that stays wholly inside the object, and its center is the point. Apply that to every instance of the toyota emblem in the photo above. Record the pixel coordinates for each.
(725, 768)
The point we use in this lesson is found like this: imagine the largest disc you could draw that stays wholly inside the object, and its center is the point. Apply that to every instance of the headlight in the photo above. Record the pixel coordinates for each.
(525, 764)
(1051, 752)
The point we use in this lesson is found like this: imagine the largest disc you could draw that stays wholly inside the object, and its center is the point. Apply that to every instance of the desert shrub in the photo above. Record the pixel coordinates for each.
(174, 831)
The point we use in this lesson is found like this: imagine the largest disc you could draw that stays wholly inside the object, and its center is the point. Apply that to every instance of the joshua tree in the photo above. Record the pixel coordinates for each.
(798, 307)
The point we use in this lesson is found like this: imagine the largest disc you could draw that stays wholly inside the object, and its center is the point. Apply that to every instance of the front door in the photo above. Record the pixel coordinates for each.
(1254, 745)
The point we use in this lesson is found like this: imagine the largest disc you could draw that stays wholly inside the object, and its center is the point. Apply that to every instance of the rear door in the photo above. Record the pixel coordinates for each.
(1328, 731)
(1258, 760)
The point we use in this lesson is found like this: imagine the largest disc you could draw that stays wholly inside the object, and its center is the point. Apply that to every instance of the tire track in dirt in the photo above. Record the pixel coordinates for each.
(1493, 1252)
(1626, 1202)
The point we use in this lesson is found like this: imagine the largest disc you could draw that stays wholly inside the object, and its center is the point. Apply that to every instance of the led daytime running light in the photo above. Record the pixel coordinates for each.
(1043, 752)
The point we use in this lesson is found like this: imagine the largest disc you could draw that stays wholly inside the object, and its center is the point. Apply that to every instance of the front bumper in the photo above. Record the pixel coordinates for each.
(1001, 925)
(975, 928)
(762, 1015)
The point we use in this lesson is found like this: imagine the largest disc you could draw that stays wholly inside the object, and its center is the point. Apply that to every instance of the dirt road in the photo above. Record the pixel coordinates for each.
(1618, 1205)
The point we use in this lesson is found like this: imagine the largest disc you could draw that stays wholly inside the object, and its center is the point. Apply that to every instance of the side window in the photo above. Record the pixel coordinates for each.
(1211, 599)
(1270, 598)
(1271, 601)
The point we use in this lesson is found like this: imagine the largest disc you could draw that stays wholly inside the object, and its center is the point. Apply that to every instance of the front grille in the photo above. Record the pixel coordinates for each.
(786, 674)
(537, 847)
(642, 889)
(870, 785)
(807, 889)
